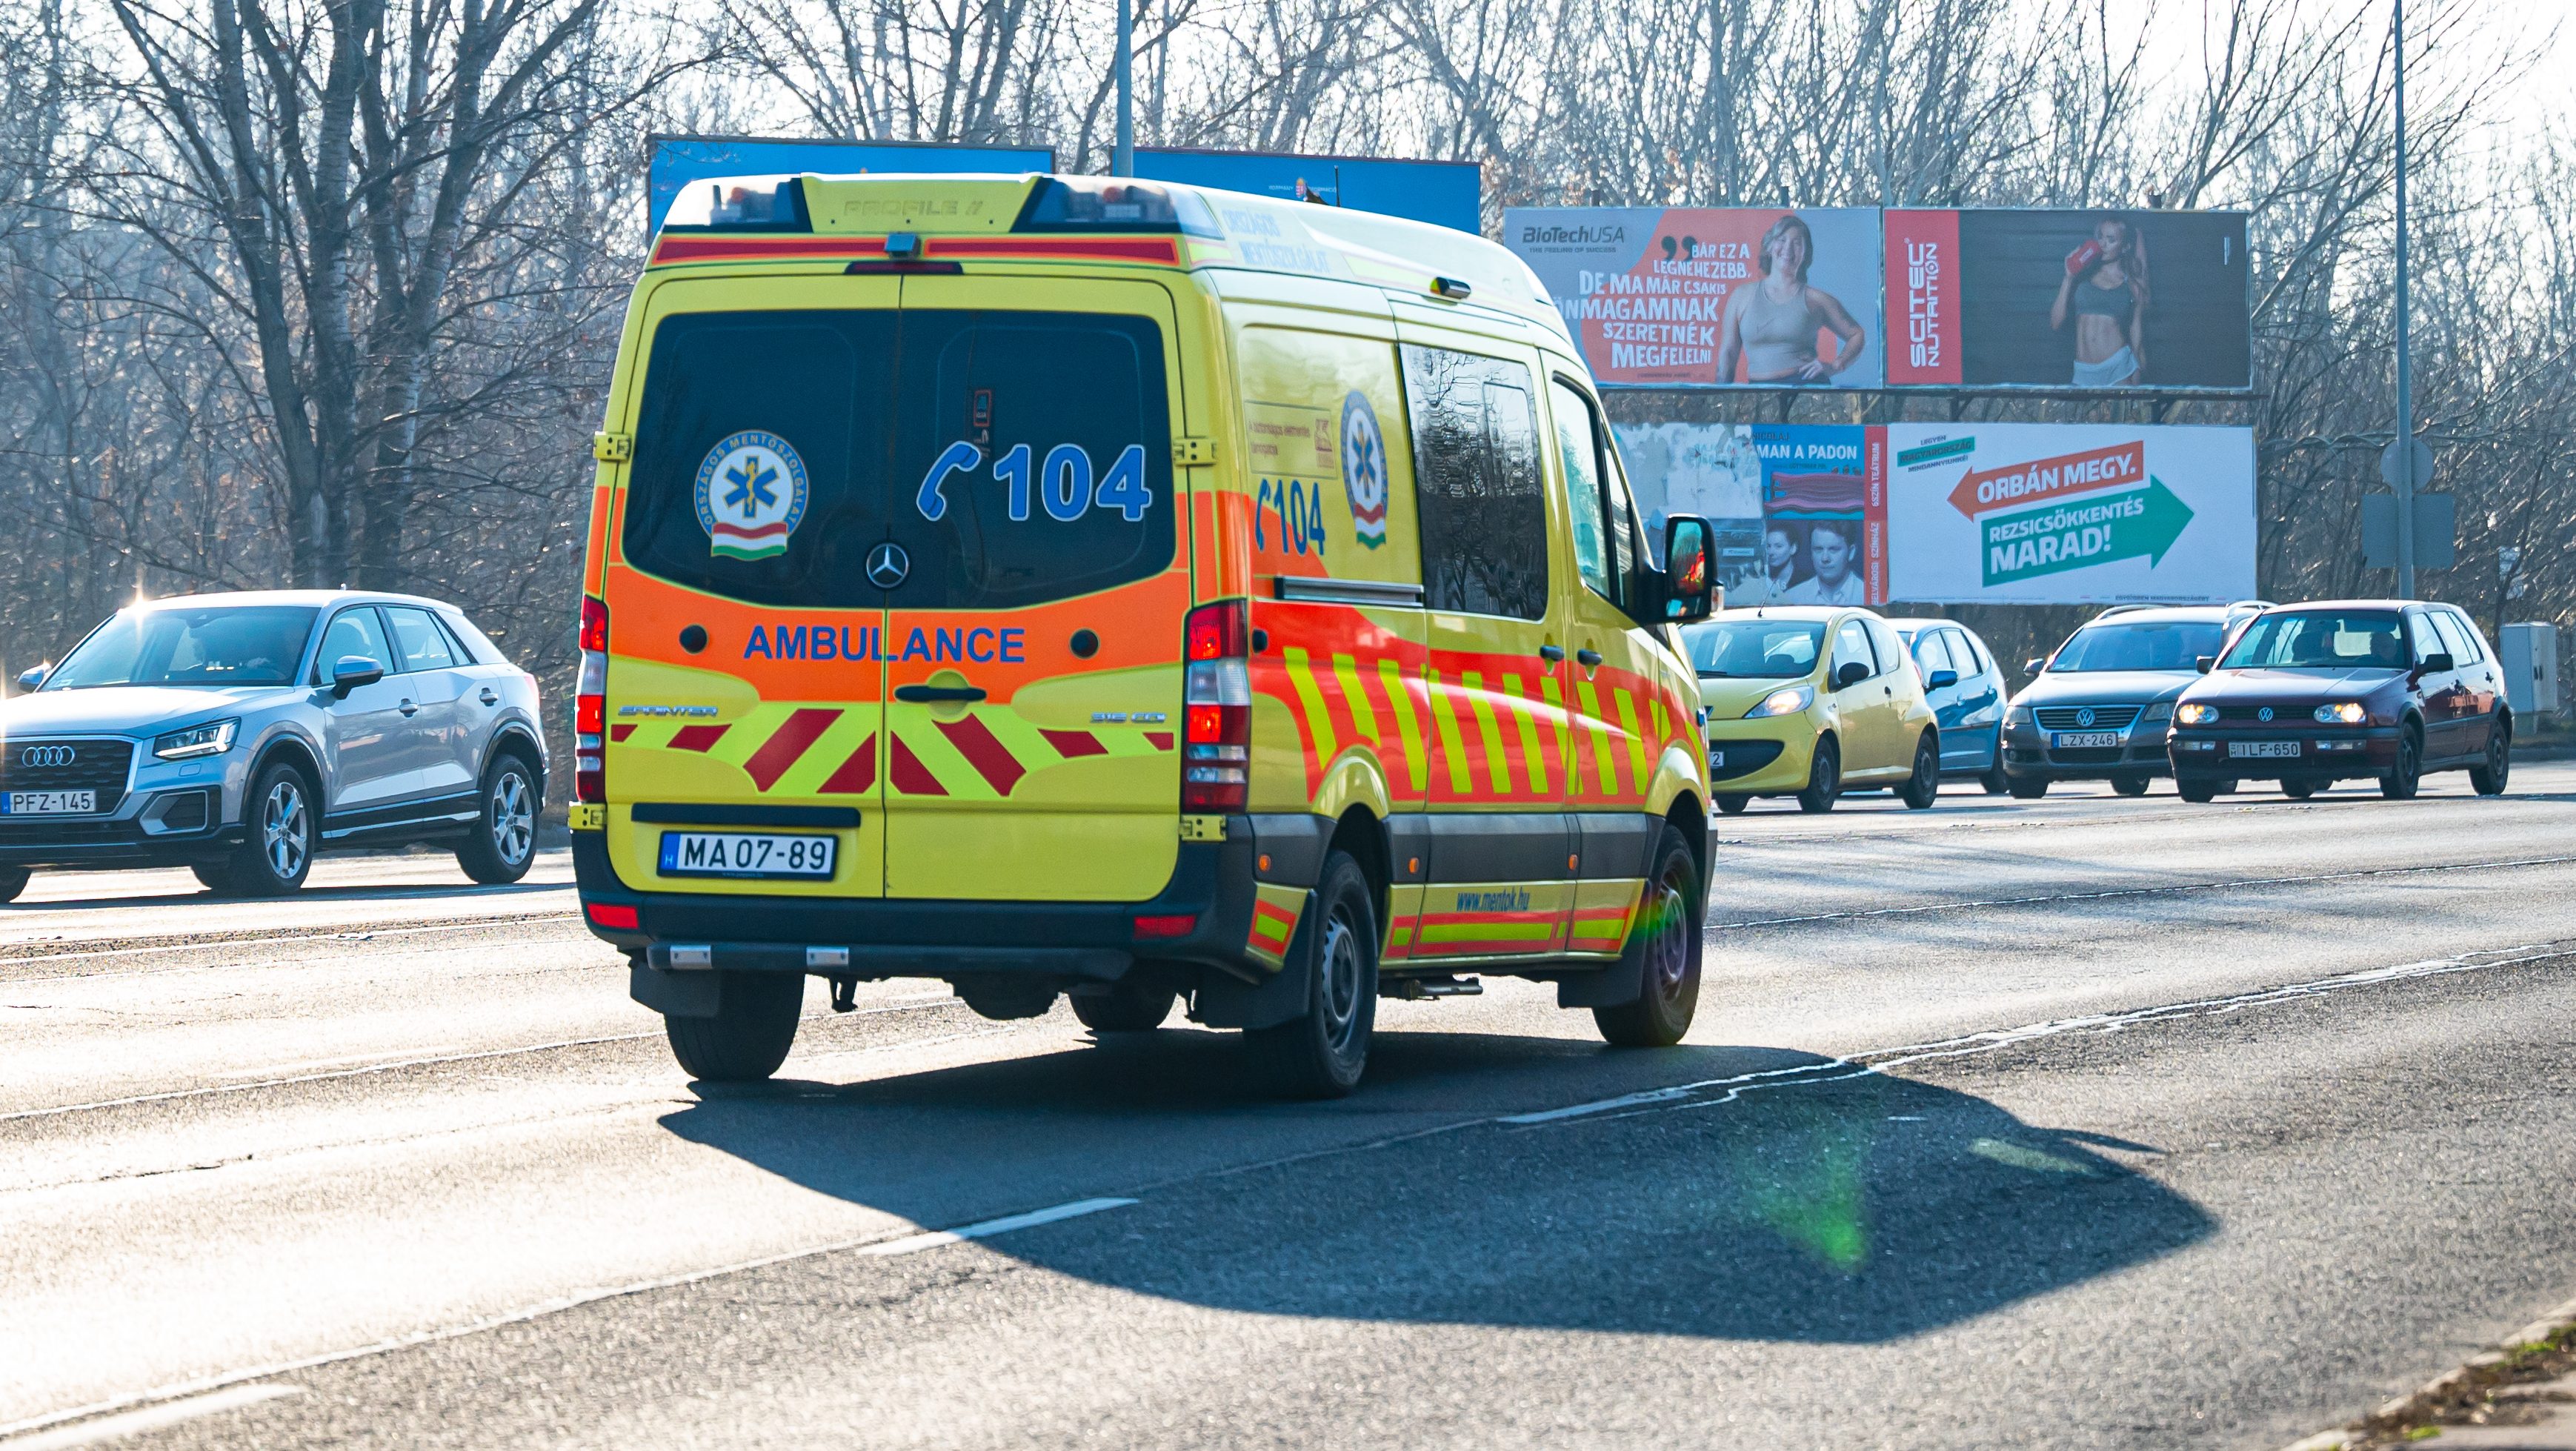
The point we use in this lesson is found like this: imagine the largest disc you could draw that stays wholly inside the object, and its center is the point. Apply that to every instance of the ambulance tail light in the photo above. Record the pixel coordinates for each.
(1216, 740)
(590, 706)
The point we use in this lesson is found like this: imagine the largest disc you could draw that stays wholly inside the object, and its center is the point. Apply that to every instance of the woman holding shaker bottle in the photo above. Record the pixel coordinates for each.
(2105, 289)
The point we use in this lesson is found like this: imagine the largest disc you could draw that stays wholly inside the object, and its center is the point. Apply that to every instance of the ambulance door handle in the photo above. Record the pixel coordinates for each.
(1589, 659)
(923, 694)
(1552, 654)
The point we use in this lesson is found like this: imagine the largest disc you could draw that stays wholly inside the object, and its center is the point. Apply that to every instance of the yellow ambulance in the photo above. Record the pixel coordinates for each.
(1070, 585)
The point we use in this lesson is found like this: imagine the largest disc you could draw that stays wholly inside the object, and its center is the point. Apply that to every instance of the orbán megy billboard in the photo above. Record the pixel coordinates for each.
(1858, 298)
(680, 160)
(2061, 299)
(1712, 297)
(1993, 513)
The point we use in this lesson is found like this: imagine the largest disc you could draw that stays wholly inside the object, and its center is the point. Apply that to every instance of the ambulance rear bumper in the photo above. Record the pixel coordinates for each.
(1211, 884)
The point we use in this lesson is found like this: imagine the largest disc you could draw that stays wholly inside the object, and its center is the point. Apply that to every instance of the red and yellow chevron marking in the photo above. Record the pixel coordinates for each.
(813, 750)
(1275, 910)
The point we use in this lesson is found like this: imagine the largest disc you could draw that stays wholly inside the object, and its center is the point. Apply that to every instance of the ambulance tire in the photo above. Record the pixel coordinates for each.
(1322, 1051)
(13, 880)
(1128, 1007)
(753, 1027)
(1664, 952)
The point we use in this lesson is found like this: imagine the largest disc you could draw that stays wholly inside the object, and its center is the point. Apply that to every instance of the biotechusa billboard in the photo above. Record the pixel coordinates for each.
(1990, 513)
(1855, 298)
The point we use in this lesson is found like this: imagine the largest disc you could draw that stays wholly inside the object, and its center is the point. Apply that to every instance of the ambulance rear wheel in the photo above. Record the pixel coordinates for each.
(13, 880)
(754, 1026)
(1665, 950)
(1322, 1051)
(1128, 1007)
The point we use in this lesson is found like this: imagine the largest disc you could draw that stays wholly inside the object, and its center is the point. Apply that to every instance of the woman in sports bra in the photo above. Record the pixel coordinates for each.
(2105, 290)
(1772, 325)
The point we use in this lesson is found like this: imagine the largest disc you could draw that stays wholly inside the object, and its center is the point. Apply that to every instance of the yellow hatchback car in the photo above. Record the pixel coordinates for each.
(1811, 702)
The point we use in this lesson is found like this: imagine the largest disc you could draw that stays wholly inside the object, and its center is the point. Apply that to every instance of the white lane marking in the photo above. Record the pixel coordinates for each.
(153, 1418)
(412, 1062)
(933, 1239)
(1880, 1060)
(155, 1398)
(210, 942)
(340, 1062)
(2363, 874)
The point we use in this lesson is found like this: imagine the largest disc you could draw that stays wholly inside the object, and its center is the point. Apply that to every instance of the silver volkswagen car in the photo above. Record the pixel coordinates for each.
(238, 734)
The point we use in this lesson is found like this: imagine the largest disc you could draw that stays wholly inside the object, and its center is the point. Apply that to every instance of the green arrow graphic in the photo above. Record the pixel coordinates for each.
(2080, 533)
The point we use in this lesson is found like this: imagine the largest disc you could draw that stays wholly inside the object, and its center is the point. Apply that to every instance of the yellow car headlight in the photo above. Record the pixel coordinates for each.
(2195, 713)
(1787, 700)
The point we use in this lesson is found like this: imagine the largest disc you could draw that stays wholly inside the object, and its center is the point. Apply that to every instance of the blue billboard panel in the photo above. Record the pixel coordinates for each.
(1443, 193)
(680, 160)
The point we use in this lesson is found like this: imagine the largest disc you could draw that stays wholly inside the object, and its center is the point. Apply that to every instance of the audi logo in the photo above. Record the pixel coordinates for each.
(46, 756)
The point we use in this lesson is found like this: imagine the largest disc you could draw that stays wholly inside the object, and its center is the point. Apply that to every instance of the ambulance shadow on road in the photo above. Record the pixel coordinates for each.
(1826, 1208)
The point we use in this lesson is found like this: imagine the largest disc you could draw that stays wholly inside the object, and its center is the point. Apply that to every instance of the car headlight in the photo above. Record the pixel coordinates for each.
(1787, 700)
(2194, 713)
(2161, 710)
(211, 739)
(2342, 712)
(2017, 715)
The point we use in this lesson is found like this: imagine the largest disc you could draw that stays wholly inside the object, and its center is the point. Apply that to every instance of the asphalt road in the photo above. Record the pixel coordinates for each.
(2085, 1122)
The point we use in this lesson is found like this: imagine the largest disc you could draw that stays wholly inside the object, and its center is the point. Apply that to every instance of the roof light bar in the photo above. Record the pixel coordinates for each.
(1113, 204)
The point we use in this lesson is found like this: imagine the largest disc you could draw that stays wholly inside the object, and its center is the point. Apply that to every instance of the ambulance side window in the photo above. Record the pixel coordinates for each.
(1605, 538)
(1483, 515)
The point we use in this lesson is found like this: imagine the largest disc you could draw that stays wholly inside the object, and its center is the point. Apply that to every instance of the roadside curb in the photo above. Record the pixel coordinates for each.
(2474, 1374)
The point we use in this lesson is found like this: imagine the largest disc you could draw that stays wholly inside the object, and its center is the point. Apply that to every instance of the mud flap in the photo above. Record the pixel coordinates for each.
(1614, 986)
(1223, 1002)
(675, 994)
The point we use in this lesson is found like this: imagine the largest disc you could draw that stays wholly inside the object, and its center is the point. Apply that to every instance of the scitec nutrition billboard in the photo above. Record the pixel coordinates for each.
(2011, 513)
(1854, 298)
(1712, 297)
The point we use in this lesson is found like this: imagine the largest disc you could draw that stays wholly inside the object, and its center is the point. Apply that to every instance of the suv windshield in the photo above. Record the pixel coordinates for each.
(1015, 457)
(2322, 640)
(216, 645)
(2144, 645)
(1754, 649)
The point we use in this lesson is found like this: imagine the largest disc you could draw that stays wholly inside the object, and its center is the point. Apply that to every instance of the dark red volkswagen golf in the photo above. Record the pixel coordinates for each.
(2312, 694)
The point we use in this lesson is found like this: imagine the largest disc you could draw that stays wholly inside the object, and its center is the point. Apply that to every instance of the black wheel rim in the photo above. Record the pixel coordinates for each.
(1342, 966)
(2498, 761)
(1927, 766)
(1668, 937)
(1829, 771)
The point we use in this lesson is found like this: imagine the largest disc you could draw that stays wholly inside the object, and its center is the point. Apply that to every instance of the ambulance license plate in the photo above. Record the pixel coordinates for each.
(746, 854)
(2087, 740)
(49, 803)
(2262, 750)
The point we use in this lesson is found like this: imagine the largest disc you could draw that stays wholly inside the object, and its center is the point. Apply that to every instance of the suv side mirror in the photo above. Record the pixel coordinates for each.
(1689, 593)
(2204, 663)
(32, 677)
(352, 671)
(1849, 673)
(1942, 680)
(2435, 663)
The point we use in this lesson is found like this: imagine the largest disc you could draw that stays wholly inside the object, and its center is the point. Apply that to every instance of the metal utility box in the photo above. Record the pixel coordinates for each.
(2530, 657)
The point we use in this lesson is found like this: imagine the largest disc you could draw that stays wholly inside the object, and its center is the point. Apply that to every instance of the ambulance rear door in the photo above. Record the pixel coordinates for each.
(1035, 593)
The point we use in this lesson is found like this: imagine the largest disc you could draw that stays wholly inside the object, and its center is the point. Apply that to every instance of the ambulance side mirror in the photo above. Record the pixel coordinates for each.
(1688, 590)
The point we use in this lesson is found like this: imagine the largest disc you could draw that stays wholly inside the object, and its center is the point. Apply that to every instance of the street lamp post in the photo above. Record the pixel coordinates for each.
(1122, 159)
(2404, 447)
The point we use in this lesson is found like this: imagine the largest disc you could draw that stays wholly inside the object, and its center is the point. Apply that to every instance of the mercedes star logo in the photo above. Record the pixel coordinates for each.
(46, 756)
(2084, 717)
(887, 565)
(2264, 714)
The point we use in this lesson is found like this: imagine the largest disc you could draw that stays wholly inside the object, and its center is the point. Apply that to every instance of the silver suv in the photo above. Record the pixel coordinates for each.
(238, 734)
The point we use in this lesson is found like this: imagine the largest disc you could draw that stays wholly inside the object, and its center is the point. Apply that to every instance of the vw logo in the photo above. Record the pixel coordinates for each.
(887, 565)
(46, 756)
(2084, 717)
(2264, 714)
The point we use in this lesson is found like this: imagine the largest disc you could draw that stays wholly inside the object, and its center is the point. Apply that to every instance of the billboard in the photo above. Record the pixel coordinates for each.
(1443, 193)
(2070, 513)
(1712, 297)
(1675, 297)
(1792, 505)
(2065, 299)
(679, 160)
(1989, 513)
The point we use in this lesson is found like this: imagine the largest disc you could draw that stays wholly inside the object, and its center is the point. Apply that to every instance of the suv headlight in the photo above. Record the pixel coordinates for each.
(211, 739)
(2195, 713)
(2342, 712)
(1787, 700)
